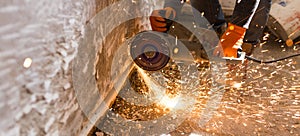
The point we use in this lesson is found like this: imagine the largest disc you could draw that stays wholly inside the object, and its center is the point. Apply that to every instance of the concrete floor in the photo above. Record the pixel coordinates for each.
(267, 103)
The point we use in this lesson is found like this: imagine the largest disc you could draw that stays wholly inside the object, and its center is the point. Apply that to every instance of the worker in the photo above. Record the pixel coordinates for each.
(248, 21)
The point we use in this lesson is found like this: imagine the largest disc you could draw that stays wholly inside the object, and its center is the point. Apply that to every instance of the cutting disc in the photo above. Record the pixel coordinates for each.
(150, 51)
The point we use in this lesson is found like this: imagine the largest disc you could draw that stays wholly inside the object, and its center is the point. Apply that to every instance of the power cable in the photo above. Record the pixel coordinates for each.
(271, 61)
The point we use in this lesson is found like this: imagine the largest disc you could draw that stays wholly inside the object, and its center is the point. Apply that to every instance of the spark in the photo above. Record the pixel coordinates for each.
(237, 85)
(27, 62)
(266, 36)
(175, 50)
(169, 102)
(193, 134)
(264, 51)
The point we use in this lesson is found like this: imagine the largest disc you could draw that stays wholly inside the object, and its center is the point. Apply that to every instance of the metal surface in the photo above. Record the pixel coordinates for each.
(284, 20)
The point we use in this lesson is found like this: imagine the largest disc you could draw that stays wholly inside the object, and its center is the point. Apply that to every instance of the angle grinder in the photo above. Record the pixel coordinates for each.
(151, 50)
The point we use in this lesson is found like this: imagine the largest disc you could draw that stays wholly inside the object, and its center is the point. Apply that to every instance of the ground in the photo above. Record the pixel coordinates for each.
(266, 103)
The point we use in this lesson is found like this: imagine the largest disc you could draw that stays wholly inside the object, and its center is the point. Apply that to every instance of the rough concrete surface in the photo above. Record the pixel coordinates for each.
(39, 40)
(40, 100)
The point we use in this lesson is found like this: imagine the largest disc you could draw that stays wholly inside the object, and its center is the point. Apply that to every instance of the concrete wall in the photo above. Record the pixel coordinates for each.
(38, 98)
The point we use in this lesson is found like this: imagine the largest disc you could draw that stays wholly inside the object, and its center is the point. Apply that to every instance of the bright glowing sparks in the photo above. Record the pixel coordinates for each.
(237, 85)
(169, 102)
(163, 99)
(176, 50)
(27, 62)
(193, 134)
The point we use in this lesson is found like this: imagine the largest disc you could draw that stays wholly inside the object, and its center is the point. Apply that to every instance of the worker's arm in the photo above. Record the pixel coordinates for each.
(170, 11)
(175, 4)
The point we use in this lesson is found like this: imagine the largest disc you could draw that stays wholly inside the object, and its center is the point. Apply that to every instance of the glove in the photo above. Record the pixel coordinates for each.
(229, 44)
(159, 19)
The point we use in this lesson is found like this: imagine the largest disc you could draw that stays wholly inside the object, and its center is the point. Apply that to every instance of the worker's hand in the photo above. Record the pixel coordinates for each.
(229, 42)
(158, 19)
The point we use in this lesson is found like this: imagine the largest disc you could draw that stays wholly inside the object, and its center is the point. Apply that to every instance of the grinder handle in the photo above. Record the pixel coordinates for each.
(168, 20)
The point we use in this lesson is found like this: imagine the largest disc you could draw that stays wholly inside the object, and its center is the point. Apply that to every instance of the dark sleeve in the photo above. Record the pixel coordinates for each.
(175, 4)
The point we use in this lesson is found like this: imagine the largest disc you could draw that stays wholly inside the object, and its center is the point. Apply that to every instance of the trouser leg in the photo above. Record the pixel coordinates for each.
(242, 16)
(242, 12)
(212, 11)
(258, 22)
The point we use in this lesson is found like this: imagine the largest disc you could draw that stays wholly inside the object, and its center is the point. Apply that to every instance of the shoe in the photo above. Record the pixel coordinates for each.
(248, 48)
